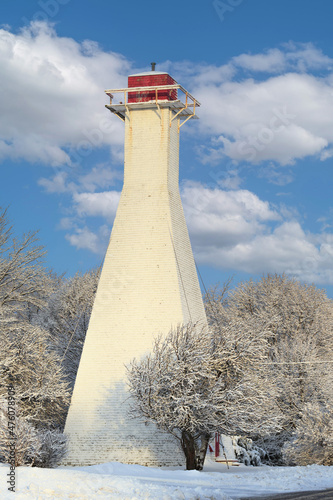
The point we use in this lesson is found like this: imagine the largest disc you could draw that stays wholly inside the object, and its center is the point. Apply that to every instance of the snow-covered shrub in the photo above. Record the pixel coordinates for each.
(272, 446)
(32, 446)
(246, 451)
(53, 448)
(27, 442)
(312, 442)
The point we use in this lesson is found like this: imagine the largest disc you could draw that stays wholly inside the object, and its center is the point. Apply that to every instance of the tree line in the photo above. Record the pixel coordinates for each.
(262, 369)
(43, 322)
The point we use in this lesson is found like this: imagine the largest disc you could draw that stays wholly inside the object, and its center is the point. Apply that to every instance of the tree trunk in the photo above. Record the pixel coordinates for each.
(188, 446)
(204, 440)
(194, 450)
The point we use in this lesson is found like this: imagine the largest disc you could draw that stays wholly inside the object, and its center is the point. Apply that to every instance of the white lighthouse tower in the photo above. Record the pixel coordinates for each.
(148, 282)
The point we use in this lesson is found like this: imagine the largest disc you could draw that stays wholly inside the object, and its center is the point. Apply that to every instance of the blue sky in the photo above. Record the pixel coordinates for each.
(256, 170)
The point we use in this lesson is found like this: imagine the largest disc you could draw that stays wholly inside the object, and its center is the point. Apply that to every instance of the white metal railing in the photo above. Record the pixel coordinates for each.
(157, 88)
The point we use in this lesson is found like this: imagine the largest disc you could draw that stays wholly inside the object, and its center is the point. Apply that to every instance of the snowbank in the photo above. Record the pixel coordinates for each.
(115, 481)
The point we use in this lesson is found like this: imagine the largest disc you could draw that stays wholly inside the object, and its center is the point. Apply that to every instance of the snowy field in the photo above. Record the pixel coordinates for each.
(117, 481)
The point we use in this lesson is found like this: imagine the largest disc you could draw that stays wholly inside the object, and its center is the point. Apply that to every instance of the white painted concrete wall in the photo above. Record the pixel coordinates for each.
(148, 285)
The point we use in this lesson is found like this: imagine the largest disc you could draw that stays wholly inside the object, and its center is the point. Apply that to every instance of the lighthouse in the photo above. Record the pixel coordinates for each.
(148, 284)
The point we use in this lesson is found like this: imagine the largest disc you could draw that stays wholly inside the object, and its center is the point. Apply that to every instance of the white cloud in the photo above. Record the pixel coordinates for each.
(285, 116)
(52, 100)
(224, 218)
(52, 103)
(236, 230)
(100, 176)
(280, 177)
(274, 60)
(67, 223)
(230, 230)
(231, 180)
(97, 204)
(52, 97)
(86, 205)
(85, 239)
(299, 57)
(306, 56)
(58, 184)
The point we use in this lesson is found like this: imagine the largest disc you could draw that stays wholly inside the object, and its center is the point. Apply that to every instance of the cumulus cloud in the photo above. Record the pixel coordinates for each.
(97, 177)
(275, 106)
(273, 60)
(280, 177)
(284, 115)
(224, 217)
(230, 230)
(97, 204)
(100, 176)
(57, 184)
(52, 100)
(236, 230)
(52, 97)
(84, 206)
(299, 57)
(83, 238)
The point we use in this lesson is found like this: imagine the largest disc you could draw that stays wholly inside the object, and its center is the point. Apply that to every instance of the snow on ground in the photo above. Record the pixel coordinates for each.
(116, 481)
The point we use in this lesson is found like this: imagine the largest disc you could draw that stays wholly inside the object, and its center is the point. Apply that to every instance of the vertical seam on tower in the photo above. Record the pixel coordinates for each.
(180, 275)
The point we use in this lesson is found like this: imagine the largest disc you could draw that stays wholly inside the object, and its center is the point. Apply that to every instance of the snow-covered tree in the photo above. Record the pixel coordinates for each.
(298, 321)
(23, 279)
(32, 446)
(312, 442)
(28, 358)
(196, 382)
(66, 318)
(28, 362)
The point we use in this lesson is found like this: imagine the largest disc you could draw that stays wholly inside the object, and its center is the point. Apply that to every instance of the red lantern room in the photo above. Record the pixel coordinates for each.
(153, 89)
(152, 79)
